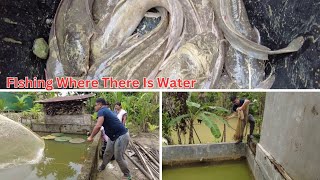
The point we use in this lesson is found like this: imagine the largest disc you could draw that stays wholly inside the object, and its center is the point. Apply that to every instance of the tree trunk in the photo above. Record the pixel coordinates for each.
(175, 104)
(224, 133)
(179, 135)
(191, 140)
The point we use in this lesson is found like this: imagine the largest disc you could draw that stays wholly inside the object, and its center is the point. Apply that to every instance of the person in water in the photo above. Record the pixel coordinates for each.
(118, 137)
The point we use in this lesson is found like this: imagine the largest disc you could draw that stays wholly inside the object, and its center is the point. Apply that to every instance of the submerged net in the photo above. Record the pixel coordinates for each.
(19, 145)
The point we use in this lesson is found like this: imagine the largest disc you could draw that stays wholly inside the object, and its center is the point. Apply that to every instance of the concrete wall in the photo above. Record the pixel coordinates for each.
(291, 134)
(90, 166)
(81, 119)
(18, 117)
(260, 165)
(181, 154)
(74, 124)
(61, 128)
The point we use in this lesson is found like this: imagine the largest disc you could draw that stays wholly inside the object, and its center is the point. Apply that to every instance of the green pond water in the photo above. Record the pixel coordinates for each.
(62, 160)
(230, 170)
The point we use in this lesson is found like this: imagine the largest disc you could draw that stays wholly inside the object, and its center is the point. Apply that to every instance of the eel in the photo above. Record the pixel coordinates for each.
(242, 43)
(126, 18)
(209, 40)
(194, 60)
(69, 40)
(246, 71)
(127, 60)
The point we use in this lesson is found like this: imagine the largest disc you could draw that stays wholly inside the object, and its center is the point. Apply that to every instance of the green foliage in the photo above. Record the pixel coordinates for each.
(142, 108)
(178, 119)
(94, 116)
(217, 117)
(193, 105)
(3, 106)
(46, 95)
(198, 112)
(209, 107)
(256, 108)
(34, 112)
(151, 127)
(16, 101)
(215, 131)
(166, 127)
(21, 104)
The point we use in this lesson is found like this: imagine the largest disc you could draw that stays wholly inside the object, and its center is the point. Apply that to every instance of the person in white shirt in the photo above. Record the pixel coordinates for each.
(121, 113)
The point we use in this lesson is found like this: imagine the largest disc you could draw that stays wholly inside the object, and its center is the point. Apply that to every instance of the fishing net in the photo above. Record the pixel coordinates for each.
(241, 124)
(19, 145)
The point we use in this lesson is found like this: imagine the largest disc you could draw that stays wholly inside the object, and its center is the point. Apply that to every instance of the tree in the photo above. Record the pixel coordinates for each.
(174, 104)
(207, 114)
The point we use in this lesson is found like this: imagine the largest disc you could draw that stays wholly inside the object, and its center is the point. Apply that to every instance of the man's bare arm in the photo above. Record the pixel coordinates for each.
(245, 104)
(124, 119)
(97, 127)
(234, 114)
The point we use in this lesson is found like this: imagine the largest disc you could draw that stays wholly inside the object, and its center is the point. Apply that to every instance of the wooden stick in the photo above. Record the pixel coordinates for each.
(147, 153)
(139, 167)
(142, 159)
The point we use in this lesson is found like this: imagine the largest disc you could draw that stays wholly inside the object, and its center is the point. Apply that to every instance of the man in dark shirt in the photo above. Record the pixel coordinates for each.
(104, 138)
(118, 137)
(243, 105)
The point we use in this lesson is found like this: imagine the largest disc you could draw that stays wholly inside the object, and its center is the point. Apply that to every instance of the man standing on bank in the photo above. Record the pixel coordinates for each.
(118, 137)
(241, 106)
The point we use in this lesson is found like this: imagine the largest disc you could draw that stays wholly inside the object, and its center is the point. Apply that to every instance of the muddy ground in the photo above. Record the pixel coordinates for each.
(279, 21)
(113, 172)
(28, 21)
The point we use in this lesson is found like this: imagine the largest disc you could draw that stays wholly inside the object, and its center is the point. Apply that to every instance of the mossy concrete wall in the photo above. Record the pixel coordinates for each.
(89, 168)
(61, 128)
(81, 119)
(182, 154)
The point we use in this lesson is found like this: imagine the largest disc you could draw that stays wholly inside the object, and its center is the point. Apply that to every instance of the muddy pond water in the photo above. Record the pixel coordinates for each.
(228, 170)
(62, 160)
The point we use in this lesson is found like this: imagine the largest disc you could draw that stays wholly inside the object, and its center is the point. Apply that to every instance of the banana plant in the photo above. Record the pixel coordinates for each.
(207, 114)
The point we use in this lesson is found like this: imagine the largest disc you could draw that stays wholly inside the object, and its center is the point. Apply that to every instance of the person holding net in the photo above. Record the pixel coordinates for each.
(240, 109)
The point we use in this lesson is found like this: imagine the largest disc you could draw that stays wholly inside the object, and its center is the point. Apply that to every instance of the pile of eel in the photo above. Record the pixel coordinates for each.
(211, 41)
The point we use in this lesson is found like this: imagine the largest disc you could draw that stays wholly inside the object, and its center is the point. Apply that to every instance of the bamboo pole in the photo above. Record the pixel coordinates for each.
(142, 159)
(147, 153)
(139, 167)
